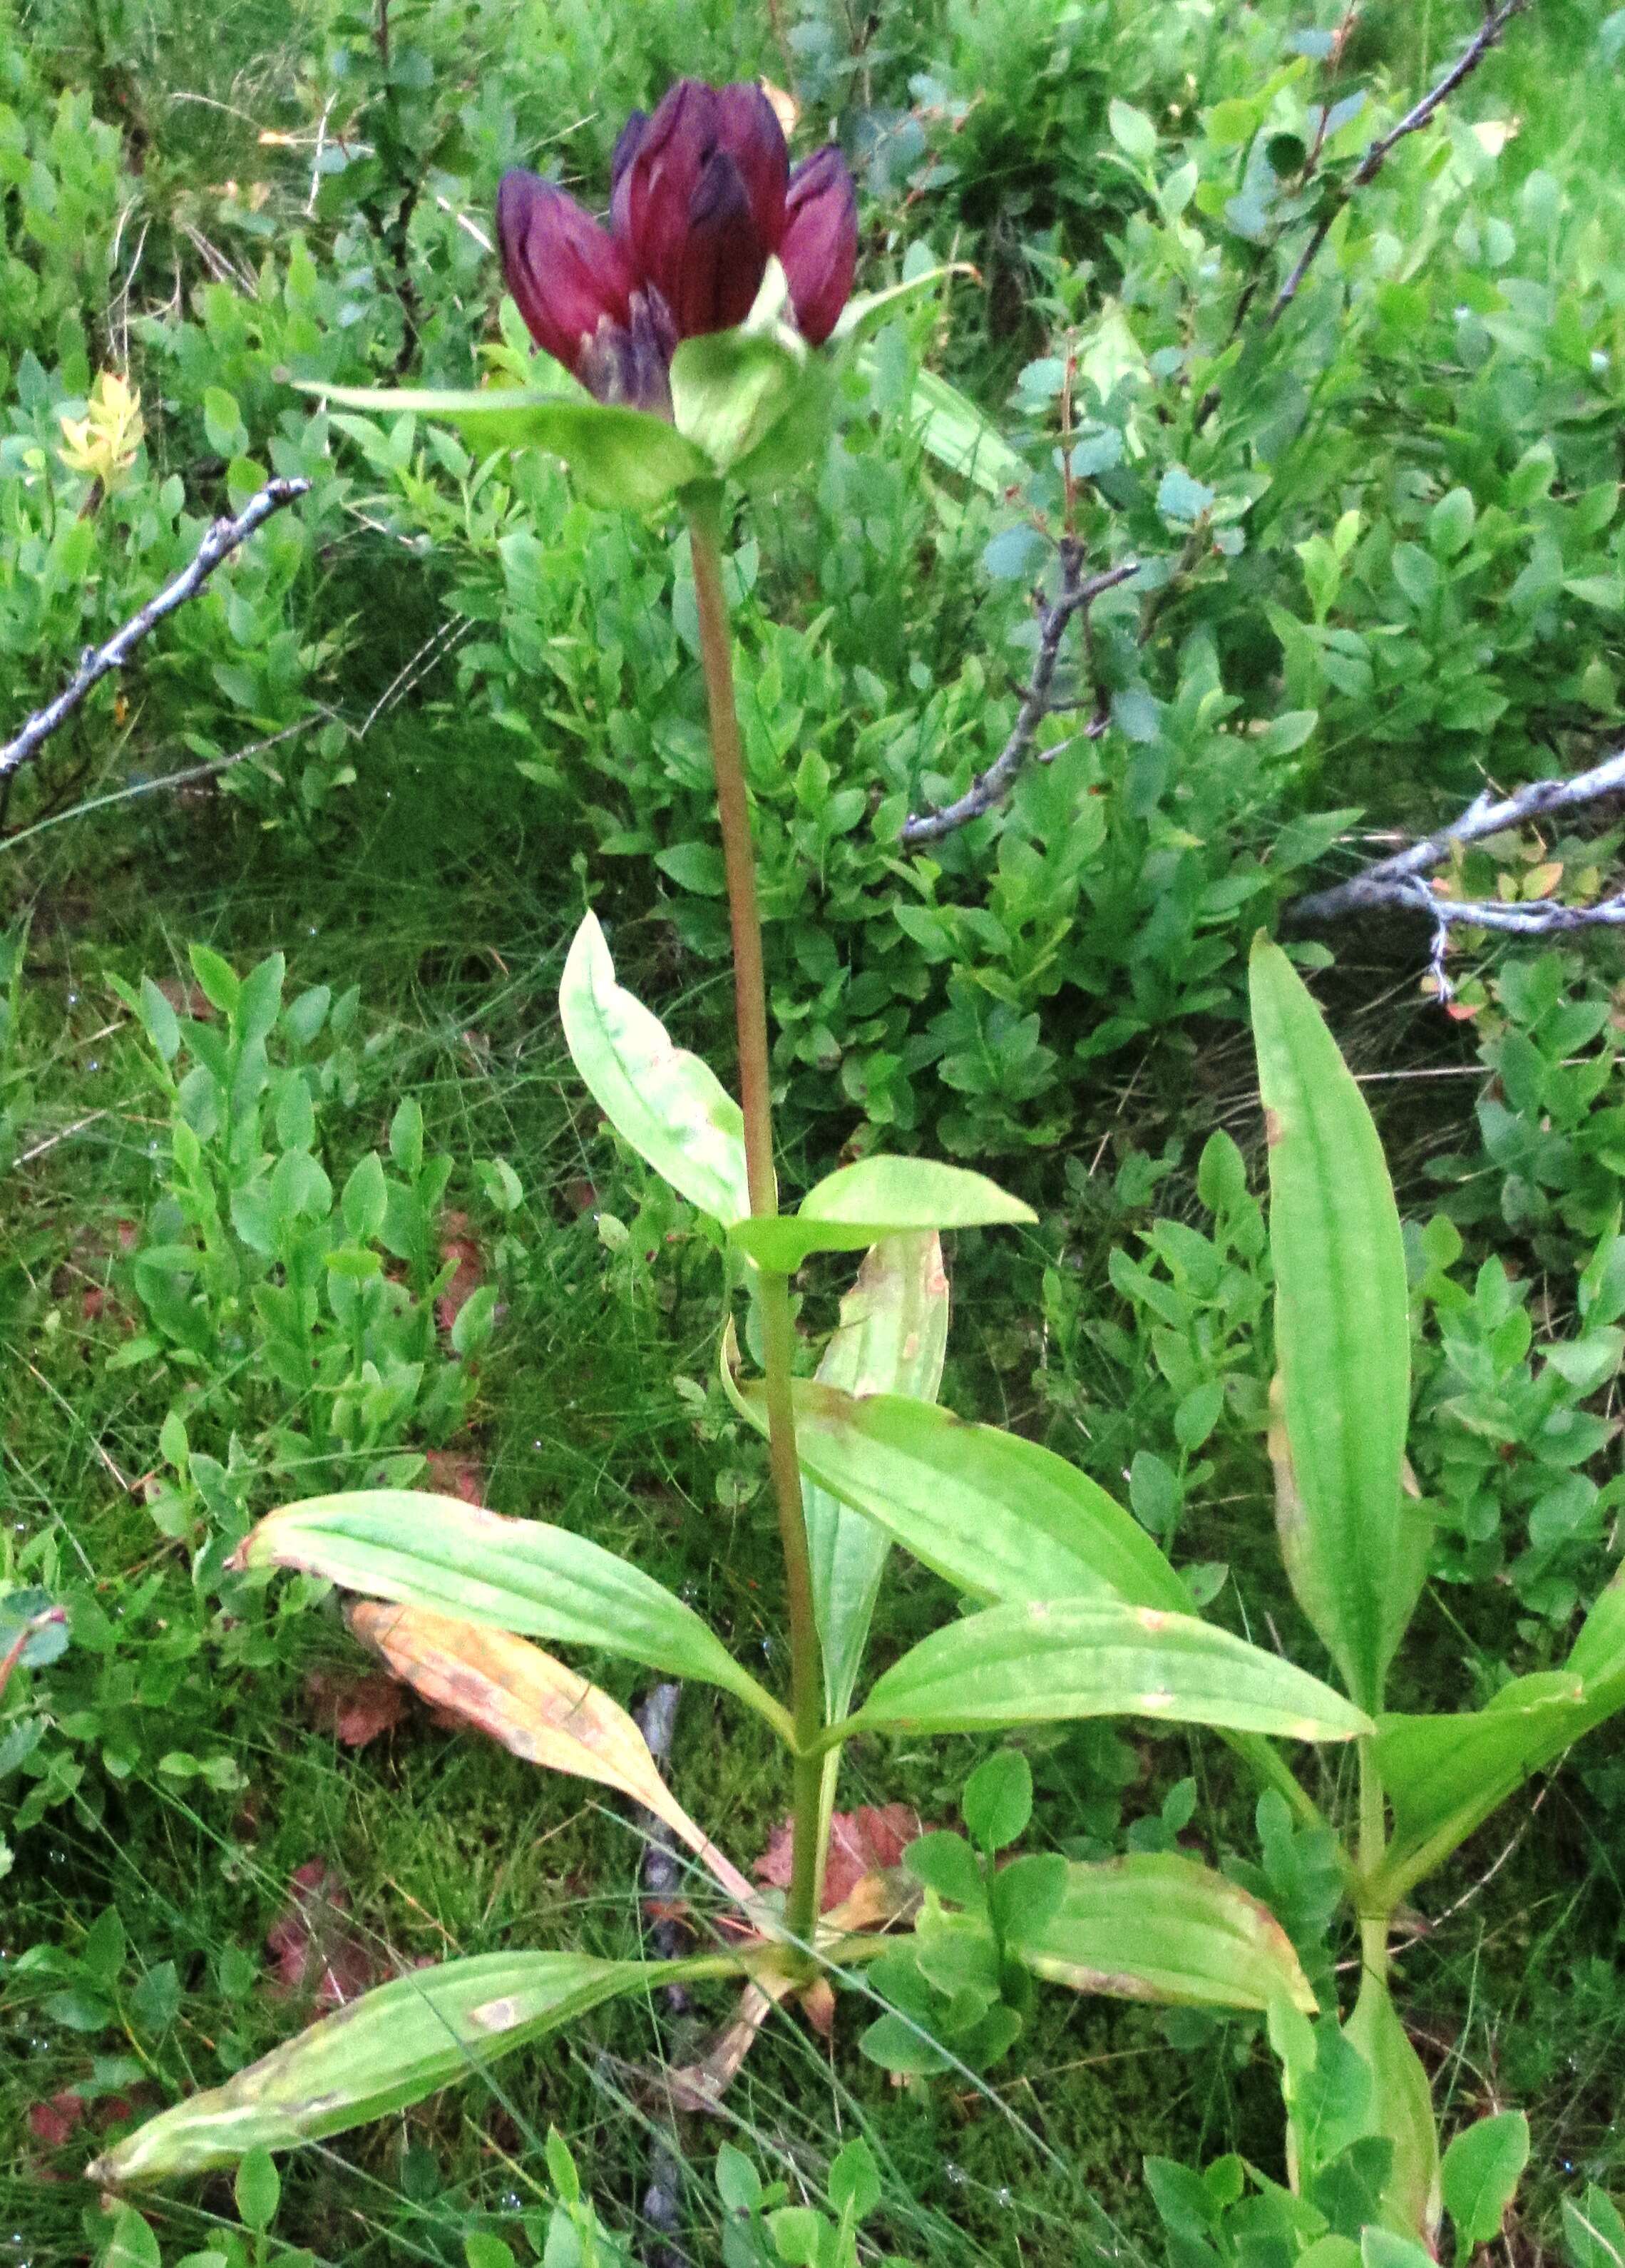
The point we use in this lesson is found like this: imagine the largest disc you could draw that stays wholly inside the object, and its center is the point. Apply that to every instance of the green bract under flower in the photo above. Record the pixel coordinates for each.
(752, 404)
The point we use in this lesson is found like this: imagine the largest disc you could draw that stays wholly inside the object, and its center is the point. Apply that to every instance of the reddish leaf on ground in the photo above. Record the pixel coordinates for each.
(580, 1195)
(186, 998)
(863, 1842)
(453, 1473)
(457, 1244)
(354, 1705)
(53, 2122)
(313, 1944)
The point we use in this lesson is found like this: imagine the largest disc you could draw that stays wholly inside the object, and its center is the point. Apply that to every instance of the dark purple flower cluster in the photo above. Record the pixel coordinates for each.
(702, 195)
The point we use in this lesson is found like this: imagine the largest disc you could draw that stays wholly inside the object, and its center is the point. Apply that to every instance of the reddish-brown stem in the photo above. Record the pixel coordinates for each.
(773, 1288)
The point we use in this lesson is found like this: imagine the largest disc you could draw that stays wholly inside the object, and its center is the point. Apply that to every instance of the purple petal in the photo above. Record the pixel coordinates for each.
(567, 275)
(818, 247)
(660, 180)
(724, 258)
(748, 130)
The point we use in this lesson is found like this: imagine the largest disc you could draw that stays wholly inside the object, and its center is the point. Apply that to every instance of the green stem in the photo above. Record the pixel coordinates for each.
(750, 998)
(1373, 1848)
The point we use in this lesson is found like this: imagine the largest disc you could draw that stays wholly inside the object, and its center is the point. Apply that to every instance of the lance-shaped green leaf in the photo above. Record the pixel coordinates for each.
(617, 455)
(891, 1337)
(1594, 2231)
(1161, 1927)
(961, 437)
(1355, 1550)
(997, 1516)
(857, 1205)
(1042, 1663)
(1444, 1775)
(1597, 1656)
(388, 2049)
(869, 310)
(1400, 2111)
(521, 1575)
(666, 1102)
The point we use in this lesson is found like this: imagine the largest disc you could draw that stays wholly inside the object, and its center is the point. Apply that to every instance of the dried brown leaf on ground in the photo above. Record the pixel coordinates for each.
(54, 2121)
(457, 1244)
(355, 1708)
(864, 1842)
(187, 998)
(314, 1950)
(454, 1472)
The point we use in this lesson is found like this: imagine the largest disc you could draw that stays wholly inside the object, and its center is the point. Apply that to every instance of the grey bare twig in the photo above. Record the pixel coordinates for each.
(1376, 156)
(1398, 880)
(223, 538)
(1391, 881)
(1420, 114)
(661, 1880)
(1077, 594)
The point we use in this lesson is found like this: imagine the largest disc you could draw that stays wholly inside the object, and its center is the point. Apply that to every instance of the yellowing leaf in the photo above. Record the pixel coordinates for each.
(102, 445)
(536, 1706)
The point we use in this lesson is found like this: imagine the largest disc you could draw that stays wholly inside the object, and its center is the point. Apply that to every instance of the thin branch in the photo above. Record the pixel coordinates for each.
(1377, 155)
(1420, 114)
(1077, 595)
(222, 540)
(192, 776)
(1393, 881)
(1398, 880)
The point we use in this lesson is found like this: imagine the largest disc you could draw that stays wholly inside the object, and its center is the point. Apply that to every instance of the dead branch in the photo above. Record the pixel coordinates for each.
(1376, 156)
(223, 538)
(1420, 114)
(1391, 881)
(1398, 880)
(1077, 594)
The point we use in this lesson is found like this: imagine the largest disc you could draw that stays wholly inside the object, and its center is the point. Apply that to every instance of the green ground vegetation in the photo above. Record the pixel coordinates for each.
(492, 718)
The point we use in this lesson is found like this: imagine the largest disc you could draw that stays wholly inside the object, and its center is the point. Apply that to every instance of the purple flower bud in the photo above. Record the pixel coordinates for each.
(818, 247)
(627, 145)
(699, 199)
(659, 181)
(567, 275)
(724, 258)
(747, 127)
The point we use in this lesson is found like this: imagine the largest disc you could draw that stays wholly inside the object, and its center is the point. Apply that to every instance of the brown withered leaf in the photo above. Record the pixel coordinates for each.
(451, 1472)
(818, 2006)
(187, 998)
(457, 1244)
(864, 1842)
(315, 1950)
(700, 2086)
(535, 1706)
(54, 2121)
(871, 1903)
(354, 1709)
